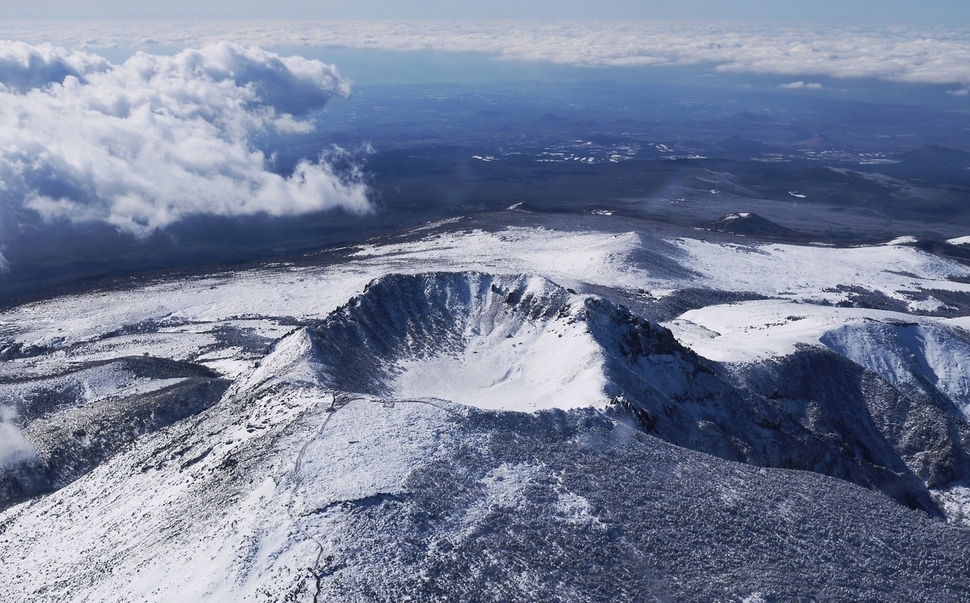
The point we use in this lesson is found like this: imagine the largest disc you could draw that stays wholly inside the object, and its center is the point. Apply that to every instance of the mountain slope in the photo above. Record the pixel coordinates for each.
(286, 491)
(468, 415)
(523, 343)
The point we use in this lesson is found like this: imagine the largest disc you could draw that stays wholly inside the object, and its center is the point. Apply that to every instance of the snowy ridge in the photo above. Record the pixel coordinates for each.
(903, 349)
(502, 343)
(922, 355)
(183, 312)
(513, 342)
(523, 343)
(77, 420)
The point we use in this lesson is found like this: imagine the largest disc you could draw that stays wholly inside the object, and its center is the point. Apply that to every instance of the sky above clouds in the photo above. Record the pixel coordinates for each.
(950, 12)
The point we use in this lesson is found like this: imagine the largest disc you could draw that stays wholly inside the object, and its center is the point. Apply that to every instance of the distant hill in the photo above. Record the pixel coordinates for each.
(933, 162)
(750, 224)
(552, 117)
(747, 118)
(937, 156)
(742, 148)
(819, 142)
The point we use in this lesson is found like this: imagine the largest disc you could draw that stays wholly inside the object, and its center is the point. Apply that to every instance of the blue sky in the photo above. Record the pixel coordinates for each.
(949, 12)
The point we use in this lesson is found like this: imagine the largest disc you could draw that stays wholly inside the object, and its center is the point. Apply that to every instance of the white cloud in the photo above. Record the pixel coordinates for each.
(961, 92)
(143, 144)
(919, 54)
(800, 85)
(14, 448)
(23, 67)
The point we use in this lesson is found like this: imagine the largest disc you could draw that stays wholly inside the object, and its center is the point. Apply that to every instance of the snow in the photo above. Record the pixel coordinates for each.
(228, 362)
(366, 449)
(810, 273)
(184, 318)
(565, 257)
(903, 240)
(902, 352)
(543, 365)
(193, 306)
(959, 240)
(217, 545)
(955, 502)
(188, 309)
(165, 519)
(97, 382)
(899, 347)
(756, 330)
(503, 489)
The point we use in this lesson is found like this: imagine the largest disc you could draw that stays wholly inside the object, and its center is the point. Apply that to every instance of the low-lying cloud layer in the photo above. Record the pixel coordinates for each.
(905, 54)
(800, 85)
(143, 144)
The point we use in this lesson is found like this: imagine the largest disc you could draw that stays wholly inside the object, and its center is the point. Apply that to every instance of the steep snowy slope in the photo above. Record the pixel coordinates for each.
(503, 343)
(910, 354)
(523, 343)
(902, 379)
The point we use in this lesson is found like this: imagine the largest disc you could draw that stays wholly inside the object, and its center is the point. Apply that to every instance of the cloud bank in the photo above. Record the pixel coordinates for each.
(917, 54)
(146, 143)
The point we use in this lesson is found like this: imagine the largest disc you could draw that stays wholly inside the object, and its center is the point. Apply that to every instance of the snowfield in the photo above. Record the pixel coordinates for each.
(461, 413)
(571, 259)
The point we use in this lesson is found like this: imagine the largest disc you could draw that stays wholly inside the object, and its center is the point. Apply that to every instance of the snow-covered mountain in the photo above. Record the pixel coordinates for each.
(471, 411)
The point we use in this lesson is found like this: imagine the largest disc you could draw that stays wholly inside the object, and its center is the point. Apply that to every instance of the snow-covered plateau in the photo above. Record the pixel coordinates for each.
(472, 411)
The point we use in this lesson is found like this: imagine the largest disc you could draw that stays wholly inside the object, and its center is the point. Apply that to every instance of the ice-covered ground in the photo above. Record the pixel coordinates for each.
(899, 347)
